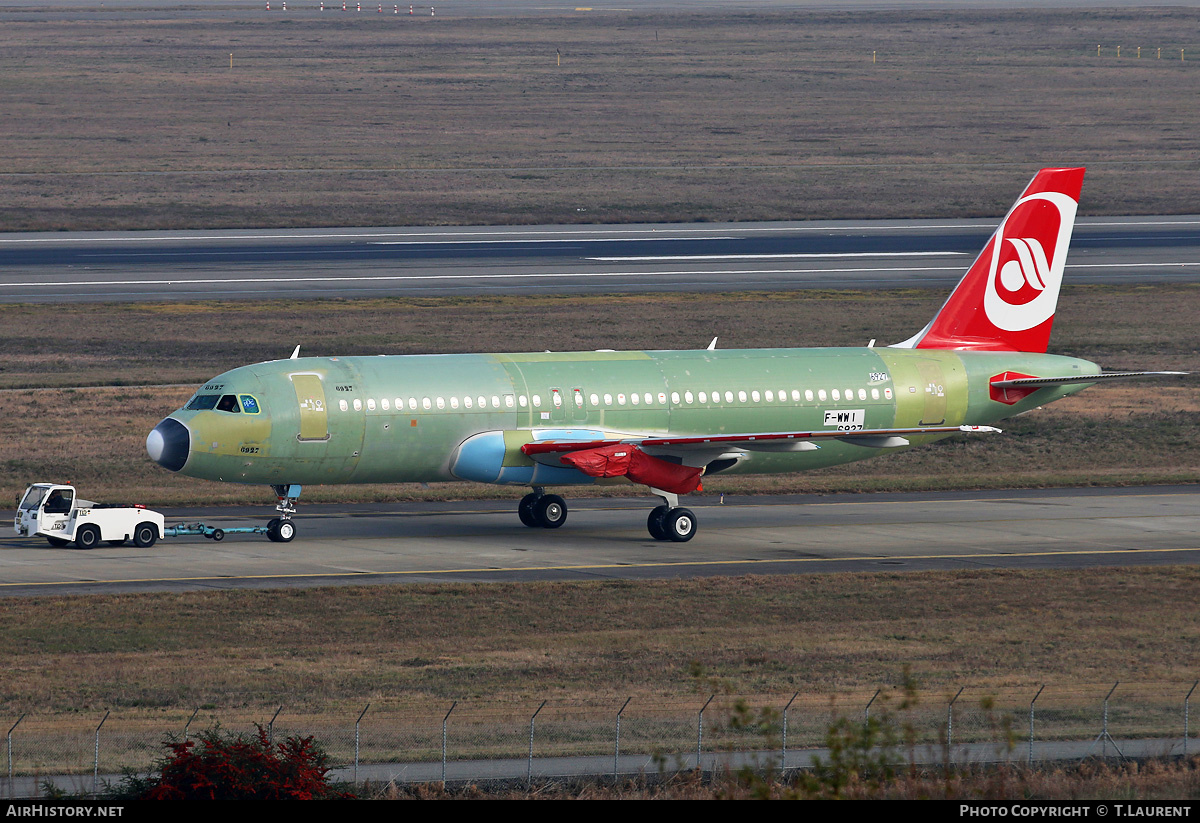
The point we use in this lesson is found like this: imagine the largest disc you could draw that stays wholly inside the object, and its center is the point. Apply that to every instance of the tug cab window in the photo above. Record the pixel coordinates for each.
(229, 403)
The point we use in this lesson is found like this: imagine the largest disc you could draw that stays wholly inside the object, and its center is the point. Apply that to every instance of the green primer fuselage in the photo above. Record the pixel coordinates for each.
(392, 419)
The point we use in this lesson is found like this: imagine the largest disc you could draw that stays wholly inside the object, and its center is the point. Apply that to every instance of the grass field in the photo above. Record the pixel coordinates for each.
(383, 120)
(327, 651)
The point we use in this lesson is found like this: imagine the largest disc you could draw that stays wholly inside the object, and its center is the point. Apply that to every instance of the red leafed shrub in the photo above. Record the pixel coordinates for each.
(219, 766)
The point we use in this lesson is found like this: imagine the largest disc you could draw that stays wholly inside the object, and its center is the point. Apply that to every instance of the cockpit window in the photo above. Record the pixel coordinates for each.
(228, 403)
(203, 402)
(249, 404)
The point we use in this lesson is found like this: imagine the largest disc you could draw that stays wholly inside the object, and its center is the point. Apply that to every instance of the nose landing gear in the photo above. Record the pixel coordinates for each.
(281, 529)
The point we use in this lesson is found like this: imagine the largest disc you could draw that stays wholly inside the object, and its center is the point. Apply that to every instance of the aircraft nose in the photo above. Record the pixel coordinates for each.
(168, 444)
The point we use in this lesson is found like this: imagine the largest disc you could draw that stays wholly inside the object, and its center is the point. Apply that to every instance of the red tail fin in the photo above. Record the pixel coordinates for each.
(1007, 299)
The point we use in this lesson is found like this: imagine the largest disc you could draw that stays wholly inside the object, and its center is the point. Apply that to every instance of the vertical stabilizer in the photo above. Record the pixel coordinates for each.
(1006, 300)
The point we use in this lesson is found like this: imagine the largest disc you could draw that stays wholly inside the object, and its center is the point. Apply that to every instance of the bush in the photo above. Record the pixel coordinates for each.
(221, 766)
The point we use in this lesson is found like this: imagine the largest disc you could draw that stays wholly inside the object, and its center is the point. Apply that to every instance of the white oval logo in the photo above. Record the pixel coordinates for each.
(1023, 281)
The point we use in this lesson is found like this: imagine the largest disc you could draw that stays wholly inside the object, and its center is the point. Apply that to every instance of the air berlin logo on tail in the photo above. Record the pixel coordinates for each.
(1029, 253)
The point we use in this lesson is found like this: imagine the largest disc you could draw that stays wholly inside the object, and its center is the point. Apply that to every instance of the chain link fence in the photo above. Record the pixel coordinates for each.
(391, 740)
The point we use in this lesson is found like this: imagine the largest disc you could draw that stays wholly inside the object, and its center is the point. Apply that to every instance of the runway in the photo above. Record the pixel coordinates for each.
(607, 540)
(418, 262)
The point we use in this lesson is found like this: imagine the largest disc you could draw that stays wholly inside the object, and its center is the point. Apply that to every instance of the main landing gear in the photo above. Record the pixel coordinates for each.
(281, 529)
(666, 522)
(538, 509)
(670, 521)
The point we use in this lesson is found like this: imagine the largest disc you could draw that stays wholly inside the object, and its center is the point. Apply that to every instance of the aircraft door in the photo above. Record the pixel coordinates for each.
(933, 385)
(314, 416)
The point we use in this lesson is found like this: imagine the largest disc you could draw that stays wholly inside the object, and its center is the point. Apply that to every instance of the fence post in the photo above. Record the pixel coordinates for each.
(96, 762)
(1186, 709)
(357, 724)
(950, 719)
(1104, 738)
(22, 717)
(271, 725)
(617, 749)
(1031, 702)
(444, 720)
(867, 710)
(783, 754)
(700, 732)
(188, 725)
(529, 769)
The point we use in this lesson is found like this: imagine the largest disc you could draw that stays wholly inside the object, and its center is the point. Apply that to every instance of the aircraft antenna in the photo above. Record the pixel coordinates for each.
(713, 345)
(295, 353)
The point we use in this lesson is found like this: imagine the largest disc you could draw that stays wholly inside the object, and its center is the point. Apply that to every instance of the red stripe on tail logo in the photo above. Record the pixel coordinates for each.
(1029, 253)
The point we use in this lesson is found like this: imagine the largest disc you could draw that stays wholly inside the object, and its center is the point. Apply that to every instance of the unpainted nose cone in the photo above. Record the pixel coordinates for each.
(168, 444)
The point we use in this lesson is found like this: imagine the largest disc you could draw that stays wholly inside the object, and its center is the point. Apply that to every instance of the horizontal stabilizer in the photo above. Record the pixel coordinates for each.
(1012, 387)
(1042, 382)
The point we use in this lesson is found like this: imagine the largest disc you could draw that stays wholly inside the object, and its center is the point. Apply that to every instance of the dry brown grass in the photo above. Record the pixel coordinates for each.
(1145, 781)
(410, 650)
(368, 120)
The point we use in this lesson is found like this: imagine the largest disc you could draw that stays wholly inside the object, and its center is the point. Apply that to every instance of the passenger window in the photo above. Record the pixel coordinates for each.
(687, 397)
(371, 404)
(229, 403)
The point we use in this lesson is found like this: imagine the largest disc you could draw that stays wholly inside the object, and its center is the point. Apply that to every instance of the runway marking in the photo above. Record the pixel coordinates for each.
(596, 567)
(797, 256)
(537, 275)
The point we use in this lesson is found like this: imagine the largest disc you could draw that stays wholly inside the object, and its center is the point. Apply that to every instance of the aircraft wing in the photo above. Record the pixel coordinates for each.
(759, 441)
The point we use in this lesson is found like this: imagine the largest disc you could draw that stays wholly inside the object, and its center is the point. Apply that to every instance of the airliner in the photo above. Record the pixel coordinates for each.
(660, 419)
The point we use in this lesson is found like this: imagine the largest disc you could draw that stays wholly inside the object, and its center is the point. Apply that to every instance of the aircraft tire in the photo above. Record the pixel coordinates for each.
(273, 529)
(525, 510)
(285, 532)
(680, 525)
(57, 542)
(145, 535)
(551, 511)
(654, 523)
(88, 537)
